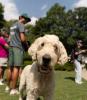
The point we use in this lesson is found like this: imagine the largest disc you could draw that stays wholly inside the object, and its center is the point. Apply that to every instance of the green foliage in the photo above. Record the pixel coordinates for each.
(30, 37)
(52, 23)
(2, 21)
(9, 23)
(57, 10)
(67, 25)
(68, 67)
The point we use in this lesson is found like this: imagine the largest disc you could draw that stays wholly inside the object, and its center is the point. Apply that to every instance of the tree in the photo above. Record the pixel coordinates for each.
(2, 21)
(52, 23)
(55, 22)
(67, 25)
(8, 24)
(81, 20)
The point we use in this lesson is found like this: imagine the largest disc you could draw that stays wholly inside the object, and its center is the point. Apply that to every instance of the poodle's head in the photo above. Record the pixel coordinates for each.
(48, 51)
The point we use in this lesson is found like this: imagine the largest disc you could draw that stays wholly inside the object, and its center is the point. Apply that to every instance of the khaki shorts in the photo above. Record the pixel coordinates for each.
(3, 61)
(15, 57)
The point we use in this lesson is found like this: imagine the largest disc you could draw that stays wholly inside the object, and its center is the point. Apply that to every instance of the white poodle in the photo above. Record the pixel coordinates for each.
(38, 78)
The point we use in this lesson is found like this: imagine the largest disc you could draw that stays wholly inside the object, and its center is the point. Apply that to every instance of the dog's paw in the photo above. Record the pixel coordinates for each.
(20, 98)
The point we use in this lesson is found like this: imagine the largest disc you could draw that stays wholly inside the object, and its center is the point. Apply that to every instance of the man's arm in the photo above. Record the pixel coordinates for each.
(6, 46)
(81, 51)
(23, 41)
(22, 37)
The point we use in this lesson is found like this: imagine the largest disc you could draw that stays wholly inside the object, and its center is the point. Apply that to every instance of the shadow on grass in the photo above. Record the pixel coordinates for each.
(70, 78)
(24, 98)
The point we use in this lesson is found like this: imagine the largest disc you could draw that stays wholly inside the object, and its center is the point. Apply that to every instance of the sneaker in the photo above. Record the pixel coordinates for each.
(13, 92)
(79, 82)
(7, 89)
(1, 83)
(1, 80)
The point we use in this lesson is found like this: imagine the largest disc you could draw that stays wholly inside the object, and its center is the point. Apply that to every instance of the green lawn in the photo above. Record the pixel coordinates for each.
(66, 89)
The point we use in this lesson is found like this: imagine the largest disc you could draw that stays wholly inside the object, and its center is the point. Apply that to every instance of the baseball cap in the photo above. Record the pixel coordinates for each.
(27, 18)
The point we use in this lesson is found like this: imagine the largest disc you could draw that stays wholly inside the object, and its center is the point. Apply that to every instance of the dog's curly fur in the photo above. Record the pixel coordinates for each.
(38, 78)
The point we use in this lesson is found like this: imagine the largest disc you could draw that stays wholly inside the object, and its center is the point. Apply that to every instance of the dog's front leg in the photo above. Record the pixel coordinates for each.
(20, 98)
(48, 95)
(48, 98)
(22, 86)
(31, 97)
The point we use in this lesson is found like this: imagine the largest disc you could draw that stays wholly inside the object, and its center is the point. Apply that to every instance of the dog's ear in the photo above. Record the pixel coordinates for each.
(62, 54)
(32, 51)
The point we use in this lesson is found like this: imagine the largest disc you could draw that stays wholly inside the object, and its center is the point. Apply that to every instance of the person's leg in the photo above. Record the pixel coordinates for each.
(1, 70)
(3, 64)
(9, 69)
(78, 70)
(15, 75)
(4, 69)
(20, 71)
(1, 76)
(18, 61)
(9, 76)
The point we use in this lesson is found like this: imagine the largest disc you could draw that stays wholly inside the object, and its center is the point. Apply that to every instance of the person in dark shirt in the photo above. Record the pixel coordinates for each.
(77, 59)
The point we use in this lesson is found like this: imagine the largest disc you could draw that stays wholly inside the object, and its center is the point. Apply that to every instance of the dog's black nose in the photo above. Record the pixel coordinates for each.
(46, 59)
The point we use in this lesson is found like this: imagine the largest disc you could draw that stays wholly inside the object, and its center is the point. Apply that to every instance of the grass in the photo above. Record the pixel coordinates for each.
(66, 89)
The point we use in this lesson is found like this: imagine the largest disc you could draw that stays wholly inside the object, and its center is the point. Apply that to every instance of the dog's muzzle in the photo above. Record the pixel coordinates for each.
(46, 60)
(45, 67)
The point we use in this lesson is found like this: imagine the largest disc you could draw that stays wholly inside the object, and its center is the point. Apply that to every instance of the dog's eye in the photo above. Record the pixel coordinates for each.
(55, 48)
(42, 44)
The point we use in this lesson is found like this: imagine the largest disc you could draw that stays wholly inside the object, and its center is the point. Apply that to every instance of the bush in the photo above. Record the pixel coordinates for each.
(68, 66)
(27, 57)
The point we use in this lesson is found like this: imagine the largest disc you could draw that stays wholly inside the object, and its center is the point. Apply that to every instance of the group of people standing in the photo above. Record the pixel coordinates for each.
(12, 51)
(11, 54)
